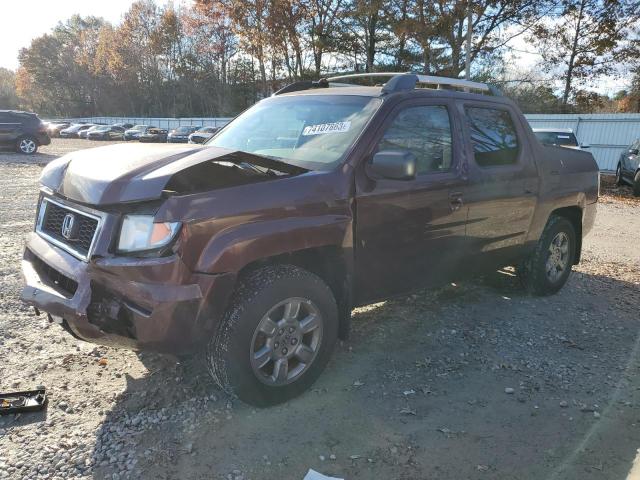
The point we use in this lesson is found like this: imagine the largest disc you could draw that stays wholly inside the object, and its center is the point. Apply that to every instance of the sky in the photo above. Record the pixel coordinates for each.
(23, 20)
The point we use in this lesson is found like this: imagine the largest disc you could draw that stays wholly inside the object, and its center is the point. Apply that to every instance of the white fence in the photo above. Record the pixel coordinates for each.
(607, 134)
(159, 122)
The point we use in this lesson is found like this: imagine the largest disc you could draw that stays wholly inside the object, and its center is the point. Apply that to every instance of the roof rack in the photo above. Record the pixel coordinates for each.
(399, 81)
(303, 85)
(403, 82)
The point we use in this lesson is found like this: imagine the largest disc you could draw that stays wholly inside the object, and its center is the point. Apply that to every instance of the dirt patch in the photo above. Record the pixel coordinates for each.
(476, 380)
(612, 193)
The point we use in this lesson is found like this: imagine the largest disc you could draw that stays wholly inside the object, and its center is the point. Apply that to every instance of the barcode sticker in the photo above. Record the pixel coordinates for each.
(337, 127)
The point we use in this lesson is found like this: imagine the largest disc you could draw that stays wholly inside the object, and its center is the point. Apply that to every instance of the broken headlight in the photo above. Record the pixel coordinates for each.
(140, 233)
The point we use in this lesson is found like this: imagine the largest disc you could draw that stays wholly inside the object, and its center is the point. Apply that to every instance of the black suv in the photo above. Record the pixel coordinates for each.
(22, 130)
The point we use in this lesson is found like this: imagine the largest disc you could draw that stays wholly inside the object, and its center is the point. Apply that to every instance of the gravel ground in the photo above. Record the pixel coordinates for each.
(476, 380)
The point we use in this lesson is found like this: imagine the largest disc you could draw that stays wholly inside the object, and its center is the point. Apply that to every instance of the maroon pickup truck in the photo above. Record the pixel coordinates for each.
(256, 246)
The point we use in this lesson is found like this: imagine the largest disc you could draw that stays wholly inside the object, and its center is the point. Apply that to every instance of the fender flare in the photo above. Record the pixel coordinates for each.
(236, 247)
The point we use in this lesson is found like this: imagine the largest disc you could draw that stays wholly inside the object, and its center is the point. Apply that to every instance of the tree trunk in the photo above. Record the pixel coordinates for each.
(371, 41)
(572, 58)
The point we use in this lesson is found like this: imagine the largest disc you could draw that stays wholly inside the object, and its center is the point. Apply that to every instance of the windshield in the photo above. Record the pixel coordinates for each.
(101, 128)
(311, 131)
(138, 128)
(557, 138)
(183, 129)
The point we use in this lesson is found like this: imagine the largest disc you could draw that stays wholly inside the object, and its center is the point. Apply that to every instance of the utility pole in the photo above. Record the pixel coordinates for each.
(467, 60)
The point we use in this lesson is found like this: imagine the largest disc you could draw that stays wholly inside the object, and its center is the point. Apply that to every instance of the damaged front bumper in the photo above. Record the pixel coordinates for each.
(154, 304)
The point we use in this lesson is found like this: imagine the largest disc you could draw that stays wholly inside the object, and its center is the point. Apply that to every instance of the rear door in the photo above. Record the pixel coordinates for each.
(410, 233)
(503, 184)
(9, 126)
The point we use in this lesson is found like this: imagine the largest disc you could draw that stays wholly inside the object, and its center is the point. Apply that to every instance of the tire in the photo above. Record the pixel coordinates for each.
(234, 357)
(27, 145)
(636, 184)
(619, 179)
(535, 273)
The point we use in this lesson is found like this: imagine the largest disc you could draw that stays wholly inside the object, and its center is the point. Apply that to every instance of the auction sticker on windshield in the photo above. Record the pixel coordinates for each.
(337, 127)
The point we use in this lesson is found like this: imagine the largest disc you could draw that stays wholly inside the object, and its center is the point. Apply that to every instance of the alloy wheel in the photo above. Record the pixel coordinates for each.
(27, 145)
(286, 341)
(558, 259)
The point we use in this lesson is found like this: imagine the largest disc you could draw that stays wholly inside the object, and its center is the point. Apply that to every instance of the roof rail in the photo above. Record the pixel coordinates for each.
(303, 85)
(402, 80)
(398, 82)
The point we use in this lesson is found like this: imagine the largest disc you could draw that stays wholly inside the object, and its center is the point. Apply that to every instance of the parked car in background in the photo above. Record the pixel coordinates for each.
(154, 135)
(23, 131)
(203, 134)
(54, 128)
(628, 169)
(125, 126)
(181, 134)
(85, 133)
(256, 247)
(134, 132)
(106, 132)
(560, 137)
(74, 130)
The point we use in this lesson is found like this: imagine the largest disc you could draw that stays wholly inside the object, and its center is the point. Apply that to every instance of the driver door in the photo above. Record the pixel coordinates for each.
(411, 233)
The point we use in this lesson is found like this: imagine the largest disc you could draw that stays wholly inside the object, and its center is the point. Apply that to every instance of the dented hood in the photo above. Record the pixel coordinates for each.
(135, 172)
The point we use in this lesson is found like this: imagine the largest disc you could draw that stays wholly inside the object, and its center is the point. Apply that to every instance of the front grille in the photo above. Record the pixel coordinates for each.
(79, 238)
(52, 277)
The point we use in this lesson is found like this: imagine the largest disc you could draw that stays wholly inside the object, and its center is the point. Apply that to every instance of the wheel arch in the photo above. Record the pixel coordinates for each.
(574, 215)
(330, 263)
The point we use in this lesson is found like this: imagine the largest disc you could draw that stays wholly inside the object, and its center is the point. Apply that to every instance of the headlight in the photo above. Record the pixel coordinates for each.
(139, 233)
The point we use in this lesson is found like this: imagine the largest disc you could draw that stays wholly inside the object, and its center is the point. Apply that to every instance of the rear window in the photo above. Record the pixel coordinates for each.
(557, 138)
(493, 136)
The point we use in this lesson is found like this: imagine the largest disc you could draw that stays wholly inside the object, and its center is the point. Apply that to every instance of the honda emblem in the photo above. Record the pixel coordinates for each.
(68, 223)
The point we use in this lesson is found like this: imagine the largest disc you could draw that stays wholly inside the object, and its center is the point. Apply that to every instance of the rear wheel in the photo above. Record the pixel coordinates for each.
(636, 184)
(276, 338)
(27, 145)
(547, 269)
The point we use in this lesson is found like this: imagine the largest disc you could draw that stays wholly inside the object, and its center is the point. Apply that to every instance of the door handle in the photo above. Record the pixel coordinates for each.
(455, 201)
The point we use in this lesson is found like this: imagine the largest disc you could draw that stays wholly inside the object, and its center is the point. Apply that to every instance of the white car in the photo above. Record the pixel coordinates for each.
(561, 137)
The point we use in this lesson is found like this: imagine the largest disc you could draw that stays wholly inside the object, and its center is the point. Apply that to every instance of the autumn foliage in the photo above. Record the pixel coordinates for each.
(217, 57)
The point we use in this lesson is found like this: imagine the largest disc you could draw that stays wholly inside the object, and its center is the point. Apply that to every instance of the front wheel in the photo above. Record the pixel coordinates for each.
(276, 338)
(547, 269)
(636, 184)
(619, 180)
(27, 145)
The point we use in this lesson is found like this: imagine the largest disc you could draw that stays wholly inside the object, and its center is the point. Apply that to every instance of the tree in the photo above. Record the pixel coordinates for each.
(586, 39)
(439, 28)
(8, 95)
(53, 75)
(367, 23)
(323, 27)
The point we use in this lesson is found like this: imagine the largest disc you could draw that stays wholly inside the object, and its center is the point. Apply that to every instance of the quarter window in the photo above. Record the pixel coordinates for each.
(493, 136)
(424, 131)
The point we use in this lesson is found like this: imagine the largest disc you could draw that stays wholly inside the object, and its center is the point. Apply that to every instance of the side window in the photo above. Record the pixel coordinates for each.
(424, 131)
(493, 136)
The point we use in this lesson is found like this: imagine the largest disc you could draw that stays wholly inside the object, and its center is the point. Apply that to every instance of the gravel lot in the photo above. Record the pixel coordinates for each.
(477, 381)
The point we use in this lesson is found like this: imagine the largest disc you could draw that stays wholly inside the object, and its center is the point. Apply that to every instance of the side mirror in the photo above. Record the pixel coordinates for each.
(394, 164)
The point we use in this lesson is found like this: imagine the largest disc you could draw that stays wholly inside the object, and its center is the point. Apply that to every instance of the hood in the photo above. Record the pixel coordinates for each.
(136, 172)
